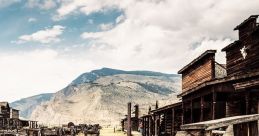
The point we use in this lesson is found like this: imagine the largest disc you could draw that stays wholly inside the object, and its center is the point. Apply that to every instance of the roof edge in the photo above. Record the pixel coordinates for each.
(196, 60)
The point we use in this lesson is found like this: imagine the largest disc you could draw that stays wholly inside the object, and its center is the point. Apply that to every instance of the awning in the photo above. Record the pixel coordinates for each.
(219, 123)
(246, 84)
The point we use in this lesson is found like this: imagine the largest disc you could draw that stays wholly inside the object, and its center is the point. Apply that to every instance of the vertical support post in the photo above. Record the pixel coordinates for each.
(158, 124)
(247, 103)
(149, 125)
(202, 108)
(173, 121)
(122, 125)
(214, 105)
(144, 126)
(129, 120)
(191, 111)
(156, 121)
(165, 119)
(183, 112)
(137, 112)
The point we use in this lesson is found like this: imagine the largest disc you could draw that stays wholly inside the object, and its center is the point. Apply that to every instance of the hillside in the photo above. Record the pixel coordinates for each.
(101, 96)
(27, 105)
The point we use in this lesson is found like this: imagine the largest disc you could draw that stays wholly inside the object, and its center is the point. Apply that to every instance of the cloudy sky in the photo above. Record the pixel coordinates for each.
(45, 44)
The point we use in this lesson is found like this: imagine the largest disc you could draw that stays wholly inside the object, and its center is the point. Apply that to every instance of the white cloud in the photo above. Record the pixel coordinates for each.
(120, 18)
(38, 71)
(42, 4)
(87, 6)
(49, 35)
(32, 20)
(106, 27)
(161, 34)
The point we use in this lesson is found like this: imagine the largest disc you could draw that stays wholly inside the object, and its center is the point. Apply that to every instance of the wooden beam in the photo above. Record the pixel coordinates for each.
(165, 119)
(156, 128)
(148, 127)
(173, 121)
(129, 120)
(191, 111)
(183, 112)
(247, 102)
(202, 108)
(214, 103)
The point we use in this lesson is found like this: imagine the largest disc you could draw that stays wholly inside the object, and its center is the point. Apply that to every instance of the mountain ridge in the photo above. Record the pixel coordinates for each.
(106, 92)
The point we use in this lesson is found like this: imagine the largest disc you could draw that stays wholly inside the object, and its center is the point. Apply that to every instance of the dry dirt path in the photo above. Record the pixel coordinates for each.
(110, 132)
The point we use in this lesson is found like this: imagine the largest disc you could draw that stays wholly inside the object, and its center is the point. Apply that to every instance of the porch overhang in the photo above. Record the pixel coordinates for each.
(218, 123)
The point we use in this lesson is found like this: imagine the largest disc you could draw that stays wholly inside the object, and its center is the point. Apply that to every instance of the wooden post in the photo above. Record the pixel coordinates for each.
(191, 112)
(144, 126)
(129, 120)
(155, 120)
(158, 124)
(214, 105)
(202, 108)
(247, 103)
(183, 112)
(165, 119)
(149, 125)
(173, 120)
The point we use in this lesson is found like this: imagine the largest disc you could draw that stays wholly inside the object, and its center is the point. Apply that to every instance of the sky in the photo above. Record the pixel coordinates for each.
(45, 44)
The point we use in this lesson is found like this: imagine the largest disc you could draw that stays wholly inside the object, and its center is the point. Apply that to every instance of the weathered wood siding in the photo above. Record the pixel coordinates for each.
(200, 73)
(236, 63)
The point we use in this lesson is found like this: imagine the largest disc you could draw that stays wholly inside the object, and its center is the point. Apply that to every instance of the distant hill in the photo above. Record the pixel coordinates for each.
(27, 105)
(89, 77)
(101, 96)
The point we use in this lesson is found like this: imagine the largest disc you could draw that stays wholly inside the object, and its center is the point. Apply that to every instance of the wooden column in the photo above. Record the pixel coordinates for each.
(202, 108)
(129, 120)
(214, 102)
(156, 128)
(191, 112)
(165, 119)
(150, 125)
(183, 112)
(144, 126)
(247, 103)
(173, 121)
(158, 125)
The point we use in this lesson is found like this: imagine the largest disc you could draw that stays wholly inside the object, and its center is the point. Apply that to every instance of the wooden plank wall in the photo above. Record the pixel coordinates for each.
(236, 64)
(198, 74)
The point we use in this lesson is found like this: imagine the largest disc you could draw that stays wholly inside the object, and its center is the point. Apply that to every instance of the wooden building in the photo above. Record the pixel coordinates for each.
(135, 120)
(198, 98)
(9, 119)
(208, 97)
(216, 98)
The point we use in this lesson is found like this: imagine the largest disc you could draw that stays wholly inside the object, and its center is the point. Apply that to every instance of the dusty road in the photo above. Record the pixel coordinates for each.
(110, 132)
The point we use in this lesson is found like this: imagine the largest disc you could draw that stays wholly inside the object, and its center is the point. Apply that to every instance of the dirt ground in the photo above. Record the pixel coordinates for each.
(110, 132)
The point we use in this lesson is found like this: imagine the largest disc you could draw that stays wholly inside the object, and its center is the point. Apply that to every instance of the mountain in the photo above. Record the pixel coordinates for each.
(101, 96)
(27, 105)
(95, 74)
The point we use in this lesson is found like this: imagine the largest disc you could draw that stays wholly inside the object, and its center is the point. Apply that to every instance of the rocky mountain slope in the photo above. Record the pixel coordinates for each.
(101, 96)
(27, 105)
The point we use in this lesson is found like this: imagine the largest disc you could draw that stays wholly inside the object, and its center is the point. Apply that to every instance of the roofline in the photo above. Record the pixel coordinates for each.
(251, 17)
(197, 59)
(167, 107)
(218, 81)
(231, 45)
